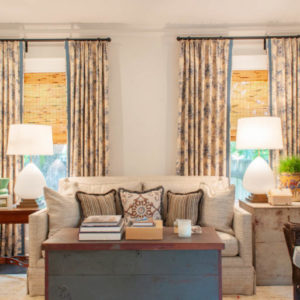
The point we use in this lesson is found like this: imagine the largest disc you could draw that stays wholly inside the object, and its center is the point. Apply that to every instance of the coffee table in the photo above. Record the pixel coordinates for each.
(173, 268)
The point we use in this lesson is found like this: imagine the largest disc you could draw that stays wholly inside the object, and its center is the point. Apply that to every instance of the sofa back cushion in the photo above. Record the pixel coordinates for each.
(218, 209)
(99, 185)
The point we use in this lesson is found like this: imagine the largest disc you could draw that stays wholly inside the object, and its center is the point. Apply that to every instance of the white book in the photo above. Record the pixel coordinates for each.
(96, 236)
(102, 229)
(103, 220)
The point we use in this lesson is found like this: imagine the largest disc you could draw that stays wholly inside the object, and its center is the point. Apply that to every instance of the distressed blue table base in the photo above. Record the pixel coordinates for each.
(133, 274)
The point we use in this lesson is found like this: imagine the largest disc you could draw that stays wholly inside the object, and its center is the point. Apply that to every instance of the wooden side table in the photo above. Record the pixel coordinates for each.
(271, 258)
(15, 216)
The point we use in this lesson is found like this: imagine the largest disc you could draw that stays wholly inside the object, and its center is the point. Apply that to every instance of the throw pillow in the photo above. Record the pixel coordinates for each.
(183, 206)
(63, 211)
(145, 204)
(97, 204)
(218, 209)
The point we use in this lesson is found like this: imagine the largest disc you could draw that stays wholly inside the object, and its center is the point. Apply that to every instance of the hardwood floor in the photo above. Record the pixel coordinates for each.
(13, 287)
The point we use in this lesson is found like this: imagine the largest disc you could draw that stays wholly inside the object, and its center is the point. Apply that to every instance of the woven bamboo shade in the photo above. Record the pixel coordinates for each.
(45, 102)
(249, 96)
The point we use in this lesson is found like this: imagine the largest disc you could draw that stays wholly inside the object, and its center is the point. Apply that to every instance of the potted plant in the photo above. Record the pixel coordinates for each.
(289, 169)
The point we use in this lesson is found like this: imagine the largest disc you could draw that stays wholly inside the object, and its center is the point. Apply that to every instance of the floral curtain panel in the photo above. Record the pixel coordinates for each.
(203, 123)
(87, 70)
(11, 80)
(284, 73)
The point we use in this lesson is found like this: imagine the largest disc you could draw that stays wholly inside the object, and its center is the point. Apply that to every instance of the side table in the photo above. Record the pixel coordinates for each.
(15, 216)
(271, 258)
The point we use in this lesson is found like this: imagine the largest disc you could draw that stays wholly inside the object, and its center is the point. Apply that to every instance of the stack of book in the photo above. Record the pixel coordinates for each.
(102, 228)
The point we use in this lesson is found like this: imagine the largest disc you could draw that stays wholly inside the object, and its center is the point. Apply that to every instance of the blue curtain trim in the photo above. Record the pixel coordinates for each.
(228, 107)
(68, 100)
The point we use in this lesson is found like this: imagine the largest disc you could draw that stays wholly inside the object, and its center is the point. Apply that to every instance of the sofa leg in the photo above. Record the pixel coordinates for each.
(296, 292)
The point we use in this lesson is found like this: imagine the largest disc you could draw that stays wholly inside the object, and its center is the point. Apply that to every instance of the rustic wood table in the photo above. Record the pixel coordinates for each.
(173, 268)
(15, 216)
(270, 254)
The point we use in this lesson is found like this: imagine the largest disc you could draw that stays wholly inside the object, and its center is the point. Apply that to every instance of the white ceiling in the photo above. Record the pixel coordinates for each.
(152, 12)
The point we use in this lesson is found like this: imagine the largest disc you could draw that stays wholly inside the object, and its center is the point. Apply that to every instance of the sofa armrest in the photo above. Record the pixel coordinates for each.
(242, 226)
(38, 231)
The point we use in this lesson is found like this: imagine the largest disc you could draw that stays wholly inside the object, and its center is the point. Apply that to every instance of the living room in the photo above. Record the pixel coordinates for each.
(194, 102)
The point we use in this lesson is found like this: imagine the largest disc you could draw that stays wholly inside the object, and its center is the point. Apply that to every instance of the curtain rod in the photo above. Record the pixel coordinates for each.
(259, 37)
(108, 39)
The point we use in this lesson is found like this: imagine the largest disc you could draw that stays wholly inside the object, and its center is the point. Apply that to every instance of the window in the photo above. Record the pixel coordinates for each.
(249, 98)
(45, 102)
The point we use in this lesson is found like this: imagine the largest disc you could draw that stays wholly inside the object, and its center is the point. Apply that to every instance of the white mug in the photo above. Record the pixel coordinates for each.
(184, 227)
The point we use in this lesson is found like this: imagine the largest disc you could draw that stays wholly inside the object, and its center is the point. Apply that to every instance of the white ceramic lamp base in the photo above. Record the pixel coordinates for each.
(29, 185)
(259, 178)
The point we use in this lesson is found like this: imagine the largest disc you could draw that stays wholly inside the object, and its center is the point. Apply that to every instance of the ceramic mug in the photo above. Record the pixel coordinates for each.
(184, 228)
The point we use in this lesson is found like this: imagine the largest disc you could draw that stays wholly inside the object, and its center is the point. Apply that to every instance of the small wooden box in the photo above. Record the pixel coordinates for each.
(280, 197)
(145, 233)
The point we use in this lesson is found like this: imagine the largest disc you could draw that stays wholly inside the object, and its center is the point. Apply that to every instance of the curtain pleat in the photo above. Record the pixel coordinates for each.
(11, 81)
(202, 106)
(284, 75)
(88, 108)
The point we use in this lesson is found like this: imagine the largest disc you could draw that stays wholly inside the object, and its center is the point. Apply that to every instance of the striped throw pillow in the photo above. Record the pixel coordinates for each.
(97, 204)
(183, 206)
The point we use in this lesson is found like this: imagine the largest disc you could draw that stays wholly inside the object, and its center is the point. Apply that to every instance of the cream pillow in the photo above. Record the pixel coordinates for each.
(63, 211)
(218, 209)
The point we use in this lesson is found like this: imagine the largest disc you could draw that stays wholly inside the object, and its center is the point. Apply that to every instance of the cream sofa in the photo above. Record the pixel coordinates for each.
(237, 269)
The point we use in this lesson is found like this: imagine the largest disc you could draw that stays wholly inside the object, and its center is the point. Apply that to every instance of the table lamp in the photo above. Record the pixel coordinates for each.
(259, 133)
(29, 139)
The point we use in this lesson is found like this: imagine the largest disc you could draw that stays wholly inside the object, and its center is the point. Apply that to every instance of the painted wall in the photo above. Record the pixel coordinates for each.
(143, 95)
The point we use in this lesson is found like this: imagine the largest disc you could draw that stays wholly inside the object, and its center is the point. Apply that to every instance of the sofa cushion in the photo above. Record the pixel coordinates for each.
(130, 185)
(217, 209)
(138, 205)
(63, 210)
(183, 206)
(177, 185)
(97, 204)
(231, 244)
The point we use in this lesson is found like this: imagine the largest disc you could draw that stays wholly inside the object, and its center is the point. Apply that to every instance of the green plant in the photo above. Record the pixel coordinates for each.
(290, 165)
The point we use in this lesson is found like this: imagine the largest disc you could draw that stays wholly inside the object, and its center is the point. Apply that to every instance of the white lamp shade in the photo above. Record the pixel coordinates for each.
(30, 139)
(259, 133)
(30, 182)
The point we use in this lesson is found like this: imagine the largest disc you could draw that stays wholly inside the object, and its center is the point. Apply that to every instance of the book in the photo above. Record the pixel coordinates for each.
(102, 228)
(106, 220)
(101, 236)
(145, 222)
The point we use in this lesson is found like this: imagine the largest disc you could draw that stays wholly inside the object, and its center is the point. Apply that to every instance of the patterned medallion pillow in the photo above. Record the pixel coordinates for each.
(97, 204)
(145, 204)
(183, 206)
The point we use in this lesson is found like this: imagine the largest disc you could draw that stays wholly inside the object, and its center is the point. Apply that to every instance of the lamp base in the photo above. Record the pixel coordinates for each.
(258, 198)
(28, 203)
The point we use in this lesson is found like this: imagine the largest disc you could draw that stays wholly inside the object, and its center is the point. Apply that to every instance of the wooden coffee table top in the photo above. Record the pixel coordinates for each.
(67, 239)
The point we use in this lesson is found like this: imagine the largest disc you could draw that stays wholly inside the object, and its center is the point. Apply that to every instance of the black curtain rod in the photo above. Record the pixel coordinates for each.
(59, 40)
(179, 38)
